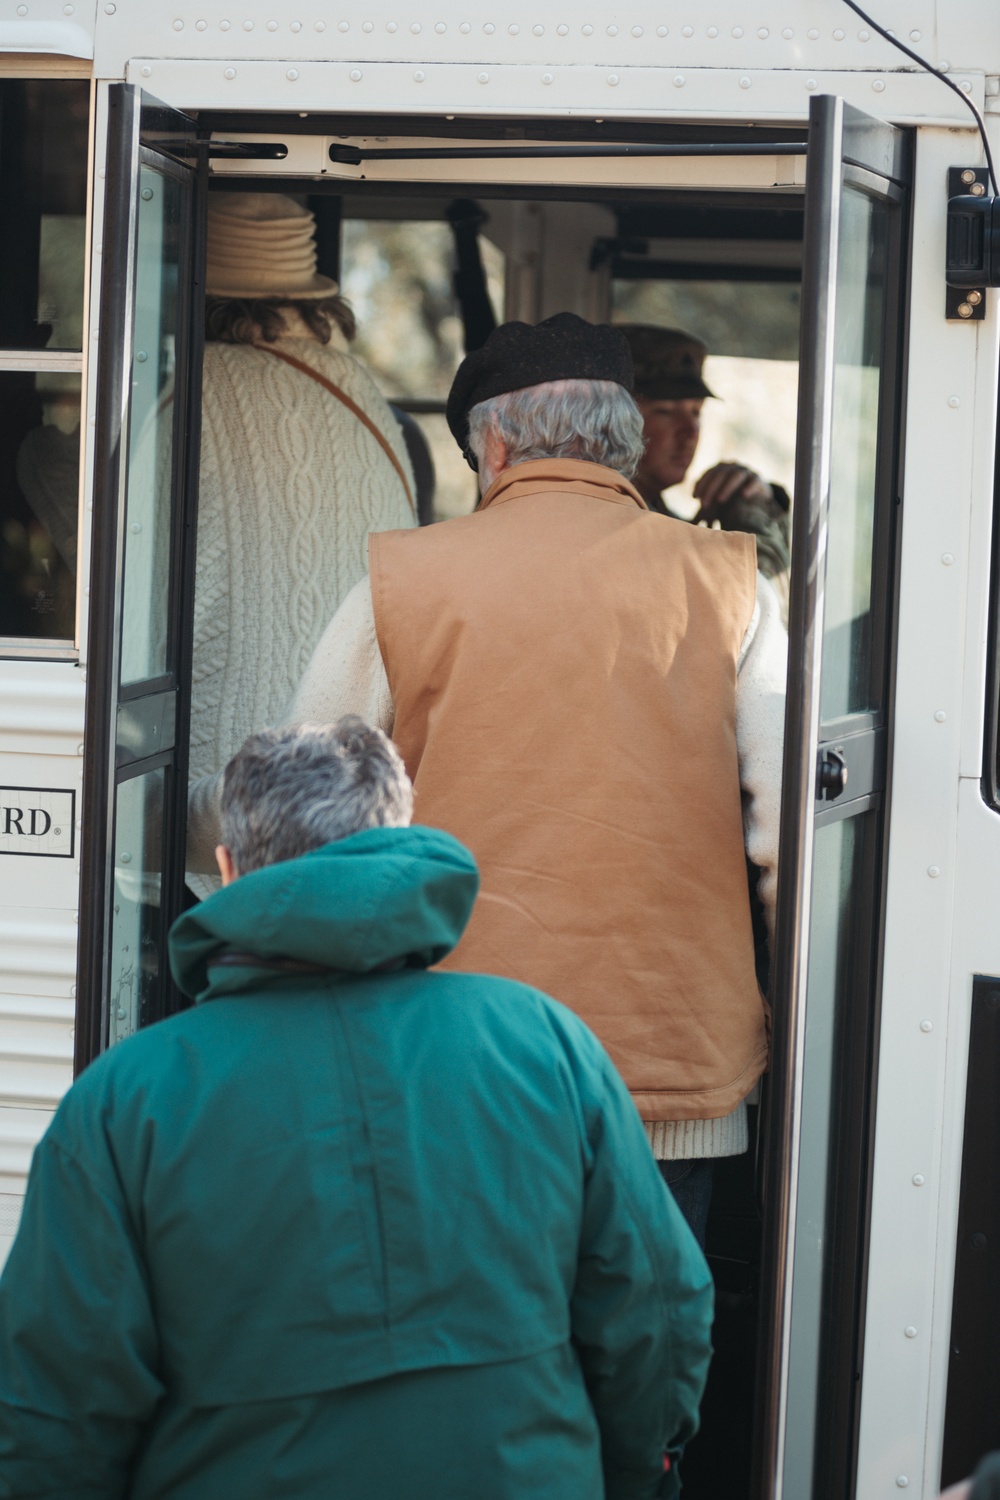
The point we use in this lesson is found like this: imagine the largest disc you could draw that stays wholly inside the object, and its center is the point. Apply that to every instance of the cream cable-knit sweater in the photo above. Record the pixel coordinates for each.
(347, 675)
(291, 484)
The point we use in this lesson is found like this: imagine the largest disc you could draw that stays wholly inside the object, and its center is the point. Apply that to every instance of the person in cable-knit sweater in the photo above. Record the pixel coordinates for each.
(293, 479)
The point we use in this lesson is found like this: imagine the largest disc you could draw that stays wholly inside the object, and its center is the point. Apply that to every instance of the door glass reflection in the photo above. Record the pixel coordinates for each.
(834, 949)
(861, 282)
(150, 462)
(136, 920)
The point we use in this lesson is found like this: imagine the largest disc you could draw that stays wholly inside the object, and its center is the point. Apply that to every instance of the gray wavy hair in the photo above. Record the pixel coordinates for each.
(594, 420)
(287, 791)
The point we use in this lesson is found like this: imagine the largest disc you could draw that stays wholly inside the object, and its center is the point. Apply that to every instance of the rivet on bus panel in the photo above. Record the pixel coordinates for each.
(292, 74)
(272, 25)
(926, 1026)
(902, 1483)
(910, 1331)
(368, 26)
(811, 83)
(560, 30)
(917, 1179)
(965, 309)
(812, 34)
(878, 85)
(744, 83)
(613, 79)
(483, 77)
(788, 33)
(838, 35)
(713, 32)
(229, 73)
(546, 77)
(440, 28)
(954, 401)
(687, 31)
(178, 25)
(356, 75)
(915, 36)
(940, 716)
(343, 25)
(763, 33)
(22, 10)
(69, 10)
(201, 25)
(146, 71)
(679, 81)
(419, 77)
(934, 871)
(864, 36)
(737, 32)
(109, 10)
(662, 30)
(947, 558)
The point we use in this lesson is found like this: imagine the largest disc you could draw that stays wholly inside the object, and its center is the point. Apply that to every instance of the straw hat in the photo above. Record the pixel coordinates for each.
(262, 245)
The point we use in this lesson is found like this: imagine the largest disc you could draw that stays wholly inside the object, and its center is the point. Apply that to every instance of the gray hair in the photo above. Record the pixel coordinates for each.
(595, 420)
(287, 791)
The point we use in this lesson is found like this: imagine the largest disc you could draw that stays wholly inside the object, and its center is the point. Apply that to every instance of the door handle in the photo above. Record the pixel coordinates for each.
(831, 775)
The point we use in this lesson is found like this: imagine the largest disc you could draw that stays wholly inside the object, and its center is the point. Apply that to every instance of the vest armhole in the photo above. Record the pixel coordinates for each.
(375, 581)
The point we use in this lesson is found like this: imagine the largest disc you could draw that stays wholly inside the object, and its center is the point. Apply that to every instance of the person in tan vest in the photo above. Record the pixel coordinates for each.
(591, 698)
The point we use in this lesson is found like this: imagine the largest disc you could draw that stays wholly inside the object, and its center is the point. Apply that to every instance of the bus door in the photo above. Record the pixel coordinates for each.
(146, 445)
(825, 980)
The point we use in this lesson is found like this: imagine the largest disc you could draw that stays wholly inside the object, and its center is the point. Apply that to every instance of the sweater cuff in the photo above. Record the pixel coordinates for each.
(687, 1140)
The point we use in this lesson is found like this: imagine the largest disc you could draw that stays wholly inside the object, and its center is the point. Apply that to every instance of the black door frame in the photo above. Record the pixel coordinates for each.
(106, 765)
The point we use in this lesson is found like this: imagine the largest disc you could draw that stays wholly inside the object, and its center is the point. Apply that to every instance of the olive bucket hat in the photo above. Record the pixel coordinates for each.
(668, 363)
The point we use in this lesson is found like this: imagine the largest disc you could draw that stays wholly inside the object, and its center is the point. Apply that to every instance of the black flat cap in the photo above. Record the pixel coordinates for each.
(517, 355)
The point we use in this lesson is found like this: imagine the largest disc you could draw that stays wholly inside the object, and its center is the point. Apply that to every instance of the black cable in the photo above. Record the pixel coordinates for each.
(937, 74)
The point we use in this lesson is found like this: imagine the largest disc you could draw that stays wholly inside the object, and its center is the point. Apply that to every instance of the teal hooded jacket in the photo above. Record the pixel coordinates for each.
(349, 1229)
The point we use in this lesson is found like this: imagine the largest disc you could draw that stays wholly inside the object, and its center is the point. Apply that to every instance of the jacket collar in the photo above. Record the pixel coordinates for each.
(542, 475)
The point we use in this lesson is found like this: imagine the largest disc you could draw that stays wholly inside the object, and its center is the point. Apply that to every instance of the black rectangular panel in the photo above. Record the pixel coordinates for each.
(972, 1413)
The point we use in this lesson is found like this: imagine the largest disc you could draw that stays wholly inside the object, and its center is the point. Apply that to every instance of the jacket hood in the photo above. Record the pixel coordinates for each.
(385, 896)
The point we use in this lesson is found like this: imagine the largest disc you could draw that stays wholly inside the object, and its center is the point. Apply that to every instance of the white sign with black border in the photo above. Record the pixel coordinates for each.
(38, 820)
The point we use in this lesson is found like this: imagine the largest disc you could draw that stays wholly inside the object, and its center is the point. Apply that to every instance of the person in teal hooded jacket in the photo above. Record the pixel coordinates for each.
(347, 1228)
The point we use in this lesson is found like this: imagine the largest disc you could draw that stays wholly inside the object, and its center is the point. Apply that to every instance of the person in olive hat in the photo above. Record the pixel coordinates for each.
(670, 391)
(591, 698)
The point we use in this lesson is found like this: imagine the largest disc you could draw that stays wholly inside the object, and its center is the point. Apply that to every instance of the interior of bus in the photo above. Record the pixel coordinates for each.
(426, 251)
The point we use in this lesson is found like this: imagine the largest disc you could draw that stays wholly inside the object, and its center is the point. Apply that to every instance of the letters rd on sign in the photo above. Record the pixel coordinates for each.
(37, 820)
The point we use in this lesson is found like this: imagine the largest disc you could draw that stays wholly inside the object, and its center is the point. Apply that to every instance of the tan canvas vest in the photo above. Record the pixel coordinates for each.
(563, 669)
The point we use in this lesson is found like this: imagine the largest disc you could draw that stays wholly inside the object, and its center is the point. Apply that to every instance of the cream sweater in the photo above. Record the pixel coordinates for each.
(291, 484)
(347, 675)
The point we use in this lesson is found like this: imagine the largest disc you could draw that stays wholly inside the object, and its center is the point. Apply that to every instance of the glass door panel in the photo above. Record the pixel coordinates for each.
(147, 428)
(136, 927)
(824, 991)
(861, 278)
(163, 208)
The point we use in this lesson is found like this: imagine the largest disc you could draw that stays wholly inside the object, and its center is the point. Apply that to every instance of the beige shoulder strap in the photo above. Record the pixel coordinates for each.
(352, 406)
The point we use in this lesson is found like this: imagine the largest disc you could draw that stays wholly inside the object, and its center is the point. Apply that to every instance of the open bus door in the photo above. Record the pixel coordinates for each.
(825, 979)
(146, 447)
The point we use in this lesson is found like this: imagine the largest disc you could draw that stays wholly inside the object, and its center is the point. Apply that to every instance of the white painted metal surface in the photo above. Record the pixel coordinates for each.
(41, 745)
(940, 861)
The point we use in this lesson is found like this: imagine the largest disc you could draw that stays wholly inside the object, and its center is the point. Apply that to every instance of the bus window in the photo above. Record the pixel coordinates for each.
(397, 275)
(43, 177)
(751, 330)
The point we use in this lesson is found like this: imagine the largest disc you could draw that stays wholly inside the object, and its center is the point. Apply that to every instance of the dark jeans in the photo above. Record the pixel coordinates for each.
(691, 1184)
